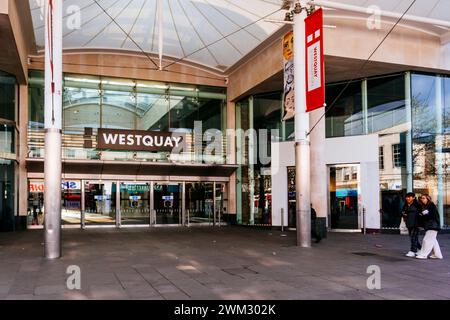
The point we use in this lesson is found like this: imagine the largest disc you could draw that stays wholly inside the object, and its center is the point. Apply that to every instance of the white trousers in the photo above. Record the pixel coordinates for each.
(430, 245)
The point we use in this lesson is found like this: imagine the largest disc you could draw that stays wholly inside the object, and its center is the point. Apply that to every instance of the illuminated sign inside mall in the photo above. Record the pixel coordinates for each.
(128, 140)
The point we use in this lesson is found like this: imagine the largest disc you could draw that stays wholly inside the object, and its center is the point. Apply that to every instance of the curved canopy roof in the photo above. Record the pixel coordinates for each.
(213, 33)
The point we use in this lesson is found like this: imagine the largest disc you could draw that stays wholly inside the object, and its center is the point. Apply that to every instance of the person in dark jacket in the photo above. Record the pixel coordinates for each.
(314, 233)
(410, 214)
(431, 222)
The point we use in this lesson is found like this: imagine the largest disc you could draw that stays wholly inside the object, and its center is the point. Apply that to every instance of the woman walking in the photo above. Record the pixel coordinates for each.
(432, 225)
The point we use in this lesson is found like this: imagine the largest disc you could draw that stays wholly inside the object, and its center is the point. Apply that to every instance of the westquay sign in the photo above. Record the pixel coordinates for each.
(130, 140)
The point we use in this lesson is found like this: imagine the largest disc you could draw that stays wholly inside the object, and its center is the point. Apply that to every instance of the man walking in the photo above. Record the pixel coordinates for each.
(410, 214)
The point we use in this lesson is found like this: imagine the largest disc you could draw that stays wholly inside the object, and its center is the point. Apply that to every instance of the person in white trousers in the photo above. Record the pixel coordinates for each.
(432, 225)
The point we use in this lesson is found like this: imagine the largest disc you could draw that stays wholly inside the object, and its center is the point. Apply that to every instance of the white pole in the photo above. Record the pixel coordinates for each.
(302, 142)
(53, 127)
(161, 32)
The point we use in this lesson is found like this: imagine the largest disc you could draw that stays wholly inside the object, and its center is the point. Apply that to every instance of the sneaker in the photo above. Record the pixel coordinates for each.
(421, 257)
(410, 254)
(436, 257)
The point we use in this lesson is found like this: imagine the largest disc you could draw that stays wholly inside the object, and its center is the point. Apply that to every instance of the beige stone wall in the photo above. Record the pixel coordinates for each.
(132, 66)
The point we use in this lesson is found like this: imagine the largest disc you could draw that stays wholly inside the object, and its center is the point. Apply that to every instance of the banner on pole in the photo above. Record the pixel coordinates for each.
(288, 54)
(315, 66)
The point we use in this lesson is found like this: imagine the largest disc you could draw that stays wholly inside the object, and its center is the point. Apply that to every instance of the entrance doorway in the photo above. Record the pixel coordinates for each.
(167, 200)
(344, 197)
(135, 203)
(71, 203)
(100, 203)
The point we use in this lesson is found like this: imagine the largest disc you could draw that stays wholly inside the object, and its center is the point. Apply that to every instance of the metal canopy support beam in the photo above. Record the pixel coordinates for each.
(161, 32)
(302, 141)
(53, 127)
(387, 14)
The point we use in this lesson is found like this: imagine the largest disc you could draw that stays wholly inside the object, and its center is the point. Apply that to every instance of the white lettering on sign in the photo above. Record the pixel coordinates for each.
(110, 138)
(138, 140)
(314, 67)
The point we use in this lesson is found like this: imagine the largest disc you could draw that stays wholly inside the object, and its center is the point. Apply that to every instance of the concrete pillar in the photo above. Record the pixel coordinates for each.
(302, 142)
(231, 156)
(53, 127)
(23, 150)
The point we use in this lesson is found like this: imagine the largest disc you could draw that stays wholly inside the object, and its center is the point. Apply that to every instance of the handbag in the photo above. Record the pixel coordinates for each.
(403, 228)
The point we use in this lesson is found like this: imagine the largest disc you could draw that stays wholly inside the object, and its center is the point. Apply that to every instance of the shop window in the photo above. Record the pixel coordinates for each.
(381, 157)
(345, 116)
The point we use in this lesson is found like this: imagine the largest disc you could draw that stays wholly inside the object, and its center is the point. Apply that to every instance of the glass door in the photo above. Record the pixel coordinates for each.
(200, 202)
(100, 203)
(71, 203)
(344, 197)
(135, 203)
(167, 203)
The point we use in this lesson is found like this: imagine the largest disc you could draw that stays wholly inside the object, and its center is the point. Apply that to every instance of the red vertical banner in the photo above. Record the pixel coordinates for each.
(315, 65)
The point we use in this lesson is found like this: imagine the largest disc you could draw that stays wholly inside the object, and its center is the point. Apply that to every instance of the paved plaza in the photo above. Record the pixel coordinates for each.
(226, 263)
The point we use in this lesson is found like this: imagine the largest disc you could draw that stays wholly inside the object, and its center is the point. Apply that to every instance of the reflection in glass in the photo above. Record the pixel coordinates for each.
(199, 202)
(7, 97)
(345, 118)
(100, 203)
(135, 203)
(71, 202)
(344, 192)
(8, 195)
(386, 103)
(168, 203)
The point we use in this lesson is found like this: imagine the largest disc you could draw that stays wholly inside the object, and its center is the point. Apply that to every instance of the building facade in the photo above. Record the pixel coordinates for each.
(384, 133)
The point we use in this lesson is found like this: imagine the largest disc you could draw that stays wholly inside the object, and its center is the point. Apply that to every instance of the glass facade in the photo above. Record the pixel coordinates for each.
(260, 120)
(410, 114)
(8, 134)
(92, 102)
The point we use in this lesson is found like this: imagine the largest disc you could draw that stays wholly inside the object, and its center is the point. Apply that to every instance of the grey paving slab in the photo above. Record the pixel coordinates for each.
(230, 263)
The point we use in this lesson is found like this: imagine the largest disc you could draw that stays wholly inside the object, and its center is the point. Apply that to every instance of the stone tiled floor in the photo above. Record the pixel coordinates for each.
(227, 263)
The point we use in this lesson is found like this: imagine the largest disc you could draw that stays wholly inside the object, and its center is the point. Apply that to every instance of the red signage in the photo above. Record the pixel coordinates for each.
(315, 66)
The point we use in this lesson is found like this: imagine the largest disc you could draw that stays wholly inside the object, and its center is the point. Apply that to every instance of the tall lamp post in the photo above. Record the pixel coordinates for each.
(302, 125)
(53, 127)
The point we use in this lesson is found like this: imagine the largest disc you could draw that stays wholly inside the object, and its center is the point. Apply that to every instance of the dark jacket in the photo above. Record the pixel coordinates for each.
(313, 215)
(411, 215)
(432, 220)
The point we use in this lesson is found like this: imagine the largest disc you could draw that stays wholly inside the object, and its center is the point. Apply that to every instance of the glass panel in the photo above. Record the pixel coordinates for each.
(119, 107)
(344, 192)
(100, 203)
(7, 196)
(427, 131)
(36, 202)
(7, 97)
(263, 198)
(345, 118)
(168, 203)
(220, 202)
(36, 114)
(386, 103)
(199, 202)
(135, 203)
(7, 138)
(71, 205)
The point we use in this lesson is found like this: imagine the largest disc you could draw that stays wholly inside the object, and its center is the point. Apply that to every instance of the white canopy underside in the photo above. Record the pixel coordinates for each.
(213, 33)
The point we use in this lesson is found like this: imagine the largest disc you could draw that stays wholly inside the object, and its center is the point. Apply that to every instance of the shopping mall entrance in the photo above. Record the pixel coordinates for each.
(87, 204)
